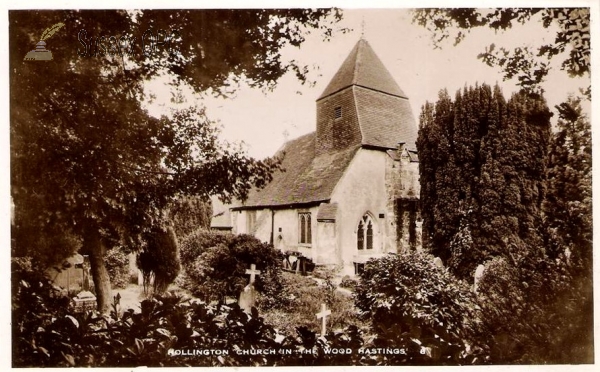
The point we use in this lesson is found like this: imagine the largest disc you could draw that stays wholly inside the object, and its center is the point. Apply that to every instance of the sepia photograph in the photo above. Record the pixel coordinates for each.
(203, 185)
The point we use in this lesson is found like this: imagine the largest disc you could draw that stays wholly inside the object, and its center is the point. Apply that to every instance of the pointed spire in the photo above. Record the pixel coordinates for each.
(362, 67)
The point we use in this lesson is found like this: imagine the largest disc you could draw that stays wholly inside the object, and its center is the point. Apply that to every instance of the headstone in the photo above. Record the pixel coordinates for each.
(323, 315)
(249, 294)
(438, 262)
(478, 274)
(84, 300)
(248, 298)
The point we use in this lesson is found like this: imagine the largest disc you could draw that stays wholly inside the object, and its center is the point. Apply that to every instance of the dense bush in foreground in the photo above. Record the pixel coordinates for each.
(412, 303)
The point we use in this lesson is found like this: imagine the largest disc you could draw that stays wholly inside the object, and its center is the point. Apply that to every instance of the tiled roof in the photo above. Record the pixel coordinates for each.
(362, 67)
(385, 120)
(305, 178)
(327, 212)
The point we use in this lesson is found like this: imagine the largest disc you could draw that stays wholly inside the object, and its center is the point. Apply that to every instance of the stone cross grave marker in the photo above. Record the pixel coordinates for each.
(249, 294)
(323, 315)
(253, 273)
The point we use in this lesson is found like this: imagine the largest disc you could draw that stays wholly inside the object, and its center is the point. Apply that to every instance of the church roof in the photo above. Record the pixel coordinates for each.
(385, 120)
(304, 178)
(362, 67)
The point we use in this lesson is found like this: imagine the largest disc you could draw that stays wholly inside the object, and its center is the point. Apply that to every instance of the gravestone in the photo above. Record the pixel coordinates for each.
(249, 293)
(323, 315)
(438, 262)
(478, 274)
(84, 300)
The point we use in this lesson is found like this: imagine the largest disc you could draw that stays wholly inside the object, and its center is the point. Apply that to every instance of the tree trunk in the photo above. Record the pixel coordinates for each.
(99, 273)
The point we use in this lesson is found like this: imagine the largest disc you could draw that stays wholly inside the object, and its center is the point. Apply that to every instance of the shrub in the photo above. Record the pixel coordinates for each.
(196, 243)
(304, 297)
(117, 265)
(348, 283)
(46, 333)
(220, 268)
(407, 297)
(159, 260)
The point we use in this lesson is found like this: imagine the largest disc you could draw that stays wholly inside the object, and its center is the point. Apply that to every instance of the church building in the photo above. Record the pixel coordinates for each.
(350, 190)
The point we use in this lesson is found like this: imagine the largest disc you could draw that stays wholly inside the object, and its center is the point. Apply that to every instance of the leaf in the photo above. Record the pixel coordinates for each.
(75, 322)
(69, 358)
(51, 31)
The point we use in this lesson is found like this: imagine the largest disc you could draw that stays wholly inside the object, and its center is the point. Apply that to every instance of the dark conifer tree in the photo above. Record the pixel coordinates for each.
(482, 168)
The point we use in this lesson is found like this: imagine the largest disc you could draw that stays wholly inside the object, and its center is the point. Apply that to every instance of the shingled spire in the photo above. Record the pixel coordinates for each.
(363, 105)
(362, 67)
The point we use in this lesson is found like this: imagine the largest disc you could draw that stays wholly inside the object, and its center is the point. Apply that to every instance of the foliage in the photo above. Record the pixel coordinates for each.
(540, 309)
(47, 333)
(117, 265)
(568, 221)
(568, 205)
(197, 242)
(188, 214)
(302, 301)
(348, 283)
(109, 169)
(159, 260)
(411, 303)
(219, 270)
(482, 171)
(529, 65)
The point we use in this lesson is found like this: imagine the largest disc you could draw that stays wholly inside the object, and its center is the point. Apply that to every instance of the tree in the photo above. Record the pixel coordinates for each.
(529, 65)
(85, 155)
(482, 169)
(188, 214)
(159, 259)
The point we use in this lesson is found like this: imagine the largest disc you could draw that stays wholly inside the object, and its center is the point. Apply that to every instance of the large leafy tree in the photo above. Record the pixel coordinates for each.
(528, 64)
(482, 167)
(88, 161)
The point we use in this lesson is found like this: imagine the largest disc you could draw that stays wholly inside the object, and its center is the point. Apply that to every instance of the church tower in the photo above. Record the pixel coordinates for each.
(363, 105)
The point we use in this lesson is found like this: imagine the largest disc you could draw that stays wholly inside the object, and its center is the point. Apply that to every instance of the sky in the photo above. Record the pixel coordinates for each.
(263, 121)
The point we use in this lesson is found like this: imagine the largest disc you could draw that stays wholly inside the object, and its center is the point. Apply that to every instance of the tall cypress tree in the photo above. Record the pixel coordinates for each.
(482, 168)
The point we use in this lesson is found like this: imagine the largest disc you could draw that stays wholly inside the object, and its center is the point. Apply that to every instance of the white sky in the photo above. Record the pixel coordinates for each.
(260, 120)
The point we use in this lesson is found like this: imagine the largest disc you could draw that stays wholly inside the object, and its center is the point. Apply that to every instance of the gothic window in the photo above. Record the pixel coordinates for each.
(364, 233)
(304, 230)
(360, 239)
(250, 222)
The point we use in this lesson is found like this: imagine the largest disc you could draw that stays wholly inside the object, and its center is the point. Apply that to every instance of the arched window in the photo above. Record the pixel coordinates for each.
(364, 233)
(360, 240)
(305, 228)
(369, 235)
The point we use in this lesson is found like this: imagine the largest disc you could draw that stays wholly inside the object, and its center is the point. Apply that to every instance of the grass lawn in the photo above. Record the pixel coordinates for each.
(306, 297)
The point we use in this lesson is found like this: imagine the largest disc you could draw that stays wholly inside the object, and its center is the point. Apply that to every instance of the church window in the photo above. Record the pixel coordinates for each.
(338, 112)
(364, 234)
(360, 239)
(250, 222)
(305, 228)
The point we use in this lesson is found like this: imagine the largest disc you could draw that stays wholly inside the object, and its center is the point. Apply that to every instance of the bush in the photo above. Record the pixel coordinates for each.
(407, 297)
(47, 333)
(304, 297)
(117, 265)
(159, 260)
(220, 268)
(348, 283)
(196, 243)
